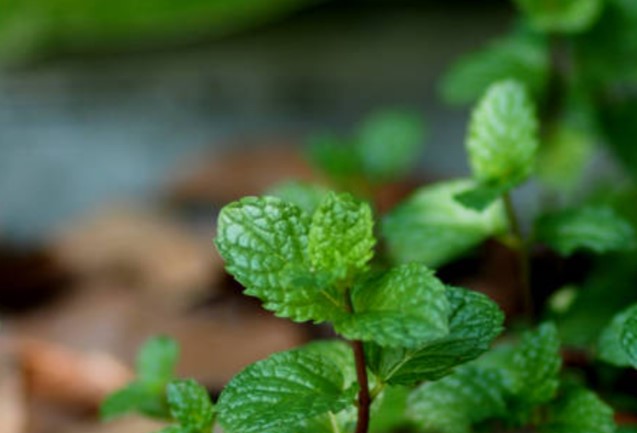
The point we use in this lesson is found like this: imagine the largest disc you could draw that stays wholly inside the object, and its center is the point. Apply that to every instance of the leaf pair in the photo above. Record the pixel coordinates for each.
(315, 268)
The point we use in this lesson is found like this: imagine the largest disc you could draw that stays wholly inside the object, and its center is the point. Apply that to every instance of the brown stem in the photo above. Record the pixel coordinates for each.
(364, 399)
(523, 256)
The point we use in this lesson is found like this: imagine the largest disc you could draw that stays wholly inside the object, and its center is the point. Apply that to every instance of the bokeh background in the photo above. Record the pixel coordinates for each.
(124, 127)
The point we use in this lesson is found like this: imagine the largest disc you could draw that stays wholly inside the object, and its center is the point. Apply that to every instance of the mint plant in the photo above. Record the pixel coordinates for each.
(401, 325)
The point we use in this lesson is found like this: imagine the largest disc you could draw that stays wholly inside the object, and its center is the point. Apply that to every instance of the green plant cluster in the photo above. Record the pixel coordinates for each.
(414, 354)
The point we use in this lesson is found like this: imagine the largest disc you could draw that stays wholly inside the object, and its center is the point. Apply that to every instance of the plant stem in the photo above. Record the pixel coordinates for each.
(524, 262)
(364, 399)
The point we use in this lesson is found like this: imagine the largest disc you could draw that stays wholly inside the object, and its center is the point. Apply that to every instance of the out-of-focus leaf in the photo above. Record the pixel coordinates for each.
(564, 156)
(454, 403)
(502, 139)
(598, 229)
(307, 196)
(610, 347)
(519, 56)
(579, 411)
(334, 156)
(389, 143)
(433, 228)
(190, 406)
(28, 28)
(567, 16)
(388, 410)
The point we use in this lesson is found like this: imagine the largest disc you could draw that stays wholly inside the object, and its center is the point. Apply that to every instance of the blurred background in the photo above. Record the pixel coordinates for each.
(126, 125)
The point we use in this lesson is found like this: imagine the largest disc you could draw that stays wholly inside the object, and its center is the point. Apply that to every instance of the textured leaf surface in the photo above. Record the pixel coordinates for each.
(502, 139)
(264, 243)
(579, 411)
(404, 307)
(190, 405)
(389, 143)
(474, 322)
(598, 229)
(518, 56)
(568, 16)
(454, 403)
(307, 196)
(629, 337)
(341, 238)
(431, 227)
(610, 347)
(536, 364)
(277, 393)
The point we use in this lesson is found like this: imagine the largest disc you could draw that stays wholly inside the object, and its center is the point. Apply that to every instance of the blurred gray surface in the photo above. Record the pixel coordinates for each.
(79, 132)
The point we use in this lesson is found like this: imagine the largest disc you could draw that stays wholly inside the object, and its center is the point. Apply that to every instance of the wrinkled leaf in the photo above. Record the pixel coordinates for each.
(433, 228)
(279, 392)
(341, 239)
(264, 244)
(403, 307)
(474, 322)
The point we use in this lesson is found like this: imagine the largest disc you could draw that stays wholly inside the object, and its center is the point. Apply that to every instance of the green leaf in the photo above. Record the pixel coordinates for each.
(536, 364)
(388, 410)
(564, 155)
(629, 337)
(433, 228)
(610, 347)
(481, 196)
(518, 56)
(335, 157)
(404, 307)
(454, 403)
(190, 405)
(502, 138)
(278, 393)
(341, 239)
(155, 367)
(157, 360)
(579, 411)
(474, 322)
(307, 196)
(389, 143)
(135, 397)
(598, 229)
(264, 243)
(565, 16)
